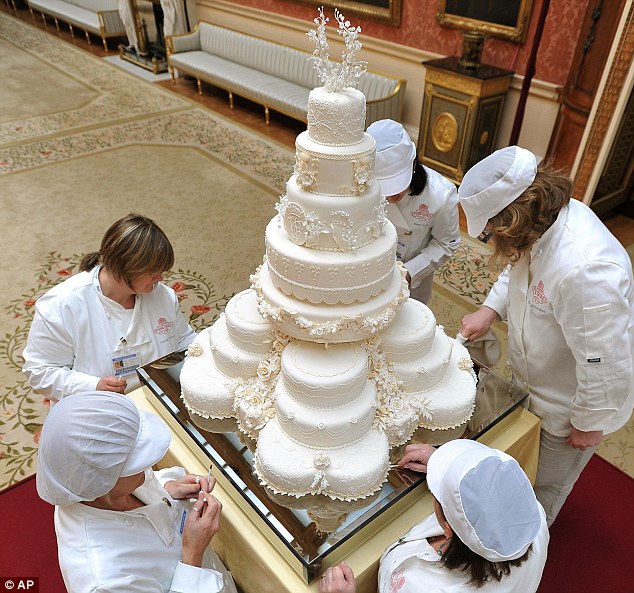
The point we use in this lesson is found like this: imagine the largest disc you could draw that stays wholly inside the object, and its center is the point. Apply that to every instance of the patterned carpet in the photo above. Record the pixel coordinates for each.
(100, 143)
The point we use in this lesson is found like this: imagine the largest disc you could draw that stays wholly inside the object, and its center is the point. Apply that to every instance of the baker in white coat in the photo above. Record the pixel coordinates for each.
(568, 297)
(121, 527)
(94, 329)
(422, 205)
(488, 533)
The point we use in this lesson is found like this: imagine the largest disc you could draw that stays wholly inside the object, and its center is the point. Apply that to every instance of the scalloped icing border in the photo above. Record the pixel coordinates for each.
(316, 331)
(300, 493)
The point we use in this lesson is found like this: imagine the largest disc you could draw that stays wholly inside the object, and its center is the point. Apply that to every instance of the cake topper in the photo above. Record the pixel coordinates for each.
(336, 76)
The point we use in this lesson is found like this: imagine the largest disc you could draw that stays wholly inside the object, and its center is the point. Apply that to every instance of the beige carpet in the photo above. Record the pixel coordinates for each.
(97, 143)
(69, 88)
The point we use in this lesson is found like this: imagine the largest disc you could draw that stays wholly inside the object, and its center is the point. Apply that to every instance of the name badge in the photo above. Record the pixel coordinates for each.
(125, 365)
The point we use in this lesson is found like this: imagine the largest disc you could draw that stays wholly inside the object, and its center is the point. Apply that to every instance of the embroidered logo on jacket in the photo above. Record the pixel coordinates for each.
(164, 326)
(397, 581)
(539, 297)
(422, 213)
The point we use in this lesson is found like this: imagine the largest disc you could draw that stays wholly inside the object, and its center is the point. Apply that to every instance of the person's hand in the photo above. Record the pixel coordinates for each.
(111, 383)
(579, 439)
(189, 486)
(338, 579)
(416, 457)
(203, 522)
(477, 324)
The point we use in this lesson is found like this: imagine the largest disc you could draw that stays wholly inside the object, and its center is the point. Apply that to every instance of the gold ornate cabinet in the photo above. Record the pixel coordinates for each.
(461, 115)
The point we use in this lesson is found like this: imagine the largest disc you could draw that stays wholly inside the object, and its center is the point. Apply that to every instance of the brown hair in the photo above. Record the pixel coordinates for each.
(458, 556)
(526, 219)
(131, 247)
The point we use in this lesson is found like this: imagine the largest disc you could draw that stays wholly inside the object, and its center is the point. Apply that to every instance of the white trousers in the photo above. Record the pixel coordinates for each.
(558, 469)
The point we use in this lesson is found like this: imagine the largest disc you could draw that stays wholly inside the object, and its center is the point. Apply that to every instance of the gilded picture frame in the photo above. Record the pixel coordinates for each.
(386, 11)
(506, 19)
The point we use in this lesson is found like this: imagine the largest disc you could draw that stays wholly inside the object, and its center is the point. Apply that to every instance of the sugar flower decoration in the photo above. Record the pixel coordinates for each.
(337, 76)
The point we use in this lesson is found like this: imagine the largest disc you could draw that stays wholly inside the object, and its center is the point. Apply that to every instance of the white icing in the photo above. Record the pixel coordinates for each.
(329, 323)
(325, 427)
(346, 473)
(411, 335)
(335, 224)
(427, 371)
(321, 376)
(329, 277)
(204, 390)
(450, 403)
(334, 170)
(247, 329)
(336, 118)
(228, 358)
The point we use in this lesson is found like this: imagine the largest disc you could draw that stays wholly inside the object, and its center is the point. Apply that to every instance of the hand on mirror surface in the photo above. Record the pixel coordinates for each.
(111, 383)
(189, 486)
(416, 457)
(477, 324)
(203, 522)
(338, 579)
(579, 439)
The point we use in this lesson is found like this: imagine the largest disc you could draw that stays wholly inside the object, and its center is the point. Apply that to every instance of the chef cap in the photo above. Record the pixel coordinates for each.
(486, 498)
(493, 183)
(90, 440)
(395, 154)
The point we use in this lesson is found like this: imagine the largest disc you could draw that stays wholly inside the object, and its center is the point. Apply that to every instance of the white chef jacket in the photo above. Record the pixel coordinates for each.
(570, 309)
(77, 334)
(428, 231)
(135, 551)
(411, 565)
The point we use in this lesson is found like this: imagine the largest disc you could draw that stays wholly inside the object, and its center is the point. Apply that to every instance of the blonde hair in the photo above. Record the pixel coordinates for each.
(132, 247)
(526, 219)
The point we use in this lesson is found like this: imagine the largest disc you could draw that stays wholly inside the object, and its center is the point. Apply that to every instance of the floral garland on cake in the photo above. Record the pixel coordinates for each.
(254, 398)
(397, 414)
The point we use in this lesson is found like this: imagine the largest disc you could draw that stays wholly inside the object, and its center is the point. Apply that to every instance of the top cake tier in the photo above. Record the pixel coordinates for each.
(336, 118)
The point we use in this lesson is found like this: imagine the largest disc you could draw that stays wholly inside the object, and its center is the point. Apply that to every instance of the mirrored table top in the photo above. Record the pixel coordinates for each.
(312, 527)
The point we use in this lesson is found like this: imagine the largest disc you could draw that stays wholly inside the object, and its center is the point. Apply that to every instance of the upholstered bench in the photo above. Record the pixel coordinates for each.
(276, 76)
(100, 17)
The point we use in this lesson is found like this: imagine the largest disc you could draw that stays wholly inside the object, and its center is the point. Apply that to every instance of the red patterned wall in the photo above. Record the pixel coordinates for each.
(420, 29)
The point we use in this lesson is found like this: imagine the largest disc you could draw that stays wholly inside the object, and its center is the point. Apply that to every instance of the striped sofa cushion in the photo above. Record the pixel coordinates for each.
(264, 56)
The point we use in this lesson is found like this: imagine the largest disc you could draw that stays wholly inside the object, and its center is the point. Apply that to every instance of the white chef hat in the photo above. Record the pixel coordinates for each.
(395, 154)
(90, 440)
(487, 499)
(493, 183)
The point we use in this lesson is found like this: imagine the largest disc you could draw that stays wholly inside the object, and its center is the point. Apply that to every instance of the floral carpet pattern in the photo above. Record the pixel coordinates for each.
(197, 128)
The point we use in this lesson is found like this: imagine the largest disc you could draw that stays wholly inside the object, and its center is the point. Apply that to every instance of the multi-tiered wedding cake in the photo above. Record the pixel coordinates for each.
(325, 361)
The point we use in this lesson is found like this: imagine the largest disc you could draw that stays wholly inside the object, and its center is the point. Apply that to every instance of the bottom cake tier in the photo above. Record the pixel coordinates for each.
(351, 472)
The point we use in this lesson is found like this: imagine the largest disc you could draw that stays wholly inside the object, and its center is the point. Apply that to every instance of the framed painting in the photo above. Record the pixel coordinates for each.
(387, 11)
(507, 19)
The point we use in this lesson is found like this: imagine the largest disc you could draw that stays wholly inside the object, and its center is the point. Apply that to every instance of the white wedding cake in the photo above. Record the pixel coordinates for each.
(325, 362)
